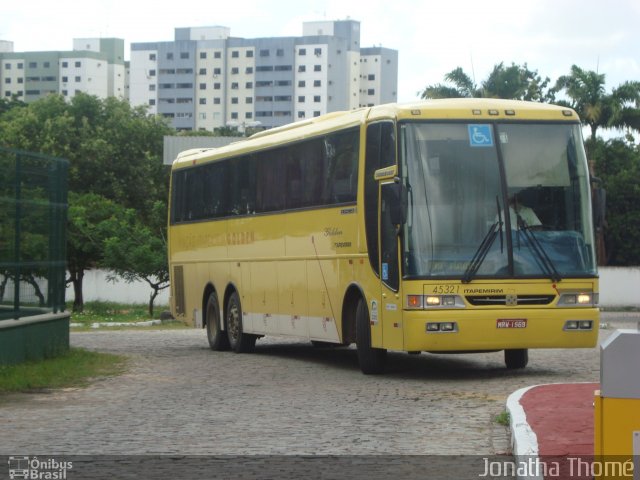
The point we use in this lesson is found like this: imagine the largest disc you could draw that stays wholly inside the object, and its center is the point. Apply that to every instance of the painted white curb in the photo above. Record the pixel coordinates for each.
(524, 442)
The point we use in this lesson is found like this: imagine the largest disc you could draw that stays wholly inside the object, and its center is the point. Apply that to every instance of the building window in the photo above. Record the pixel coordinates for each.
(234, 115)
(283, 98)
(248, 115)
(78, 64)
(21, 65)
(217, 71)
(371, 91)
(267, 68)
(301, 83)
(66, 79)
(47, 65)
(264, 53)
(234, 86)
(152, 88)
(316, 113)
(301, 114)
(216, 86)
(249, 53)
(302, 68)
(248, 70)
(317, 83)
(7, 80)
(316, 98)
(216, 101)
(283, 68)
(235, 54)
(152, 101)
(33, 65)
(371, 76)
(202, 71)
(217, 55)
(184, 55)
(152, 73)
(7, 66)
(169, 56)
(248, 100)
(202, 101)
(317, 68)
(280, 52)
(235, 71)
(302, 51)
(301, 99)
(203, 55)
(249, 85)
(78, 79)
(152, 56)
(317, 52)
(203, 86)
(184, 85)
(234, 100)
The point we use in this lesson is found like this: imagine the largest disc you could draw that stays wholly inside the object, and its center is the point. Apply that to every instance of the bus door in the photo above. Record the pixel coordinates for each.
(390, 308)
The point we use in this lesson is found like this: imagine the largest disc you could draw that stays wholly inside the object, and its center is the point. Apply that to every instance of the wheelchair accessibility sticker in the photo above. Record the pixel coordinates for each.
(480, 135)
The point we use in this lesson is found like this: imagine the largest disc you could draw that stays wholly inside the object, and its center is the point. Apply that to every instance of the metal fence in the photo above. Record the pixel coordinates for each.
(33, 221)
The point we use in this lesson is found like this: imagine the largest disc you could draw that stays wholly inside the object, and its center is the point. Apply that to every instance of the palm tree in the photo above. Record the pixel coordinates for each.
(463, 87)
(597, 108)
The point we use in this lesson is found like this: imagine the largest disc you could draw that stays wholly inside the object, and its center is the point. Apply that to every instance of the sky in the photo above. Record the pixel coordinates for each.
(433, 37)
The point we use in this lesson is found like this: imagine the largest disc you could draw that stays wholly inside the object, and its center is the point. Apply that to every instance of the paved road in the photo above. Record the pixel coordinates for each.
(179, 397)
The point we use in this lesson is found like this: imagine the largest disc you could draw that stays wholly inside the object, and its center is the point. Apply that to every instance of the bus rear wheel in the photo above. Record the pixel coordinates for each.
(372, 360)
(516, 358)
(239, 341)
(218, 339)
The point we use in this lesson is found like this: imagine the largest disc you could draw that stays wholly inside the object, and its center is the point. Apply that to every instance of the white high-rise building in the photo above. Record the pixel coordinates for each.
(95, 66)
(206, 79)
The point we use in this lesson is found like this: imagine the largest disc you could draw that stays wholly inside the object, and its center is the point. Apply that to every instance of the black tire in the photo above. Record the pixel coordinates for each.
(239, 341)
(516, 358)
(218, 339)
(372, 360)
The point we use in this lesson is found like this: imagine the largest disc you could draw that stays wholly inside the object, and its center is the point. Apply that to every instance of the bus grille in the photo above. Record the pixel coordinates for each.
(510, 300)
(178, 285)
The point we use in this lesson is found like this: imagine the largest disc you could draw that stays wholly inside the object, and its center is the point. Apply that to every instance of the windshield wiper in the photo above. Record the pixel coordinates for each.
(481, 252)
(543, 259)
(485, 246)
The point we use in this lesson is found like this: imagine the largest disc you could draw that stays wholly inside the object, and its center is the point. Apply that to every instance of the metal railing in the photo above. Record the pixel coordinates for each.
(33, 222)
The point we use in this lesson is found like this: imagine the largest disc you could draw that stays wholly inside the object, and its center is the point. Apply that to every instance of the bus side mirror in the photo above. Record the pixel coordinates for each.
(395, 198)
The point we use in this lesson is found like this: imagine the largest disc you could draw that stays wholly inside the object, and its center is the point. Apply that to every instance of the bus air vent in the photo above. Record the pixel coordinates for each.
(487, 300)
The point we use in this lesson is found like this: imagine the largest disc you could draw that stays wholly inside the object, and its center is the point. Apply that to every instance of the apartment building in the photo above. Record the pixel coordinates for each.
(205, 78)
(95, 66)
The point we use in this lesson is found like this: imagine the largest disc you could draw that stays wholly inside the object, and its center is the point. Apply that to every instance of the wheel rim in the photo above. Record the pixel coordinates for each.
(233, 321)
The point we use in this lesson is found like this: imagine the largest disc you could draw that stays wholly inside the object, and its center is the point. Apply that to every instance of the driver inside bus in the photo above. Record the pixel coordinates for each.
(519, 211)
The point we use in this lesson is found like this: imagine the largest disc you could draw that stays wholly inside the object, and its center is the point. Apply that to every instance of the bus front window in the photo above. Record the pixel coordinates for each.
(461, 223)
(455, 196)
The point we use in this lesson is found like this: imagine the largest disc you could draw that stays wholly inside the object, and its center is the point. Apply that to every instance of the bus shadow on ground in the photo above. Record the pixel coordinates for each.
(425, 366)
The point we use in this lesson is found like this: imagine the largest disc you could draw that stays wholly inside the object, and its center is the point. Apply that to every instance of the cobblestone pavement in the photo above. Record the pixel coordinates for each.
(179, 397)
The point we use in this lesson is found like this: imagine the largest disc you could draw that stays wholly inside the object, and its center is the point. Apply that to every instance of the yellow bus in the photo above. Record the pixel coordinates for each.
(442, 226)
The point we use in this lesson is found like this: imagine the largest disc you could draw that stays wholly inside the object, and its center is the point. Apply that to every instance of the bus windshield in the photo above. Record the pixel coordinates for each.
(499, 200)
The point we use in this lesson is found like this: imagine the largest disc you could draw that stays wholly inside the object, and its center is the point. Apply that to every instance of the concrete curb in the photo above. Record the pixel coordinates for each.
(524, 441)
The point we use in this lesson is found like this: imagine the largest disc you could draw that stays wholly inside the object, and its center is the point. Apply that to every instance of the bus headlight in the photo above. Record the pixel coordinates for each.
(578, 299)
(420, 302)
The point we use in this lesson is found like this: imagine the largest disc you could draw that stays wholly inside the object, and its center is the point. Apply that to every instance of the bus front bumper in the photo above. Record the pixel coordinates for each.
(478, 330)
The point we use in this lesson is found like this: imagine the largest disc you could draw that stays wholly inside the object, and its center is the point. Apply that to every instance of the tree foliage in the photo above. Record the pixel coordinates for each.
(513, 82)
(115, 155)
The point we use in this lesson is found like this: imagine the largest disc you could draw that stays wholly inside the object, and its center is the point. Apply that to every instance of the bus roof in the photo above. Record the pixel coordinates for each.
(476, 109)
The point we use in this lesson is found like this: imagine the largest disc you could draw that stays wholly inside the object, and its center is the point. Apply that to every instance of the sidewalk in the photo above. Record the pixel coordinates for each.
(551, 424)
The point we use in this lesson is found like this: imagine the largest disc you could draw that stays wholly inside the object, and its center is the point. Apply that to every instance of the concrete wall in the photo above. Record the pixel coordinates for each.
(618, 288)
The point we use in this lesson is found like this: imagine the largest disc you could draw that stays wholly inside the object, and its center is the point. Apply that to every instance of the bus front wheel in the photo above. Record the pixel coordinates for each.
(218, 339)
(239, 341)
(371, 360)
(516, 358)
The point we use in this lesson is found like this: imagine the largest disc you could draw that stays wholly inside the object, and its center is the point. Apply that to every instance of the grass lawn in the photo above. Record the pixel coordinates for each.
(109, 312)
(76, 368)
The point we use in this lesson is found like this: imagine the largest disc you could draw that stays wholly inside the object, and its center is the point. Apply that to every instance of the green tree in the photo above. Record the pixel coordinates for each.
(115, 155)
(619, 169)
(512, 82)
(597, 108)
(139, 252)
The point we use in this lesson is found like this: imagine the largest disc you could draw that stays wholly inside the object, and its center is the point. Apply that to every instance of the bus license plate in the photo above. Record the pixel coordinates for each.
(511, 323)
